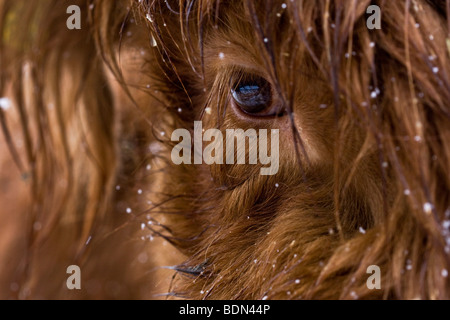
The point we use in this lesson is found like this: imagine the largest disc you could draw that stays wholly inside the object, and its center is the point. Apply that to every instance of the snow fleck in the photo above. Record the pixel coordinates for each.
(142, 226)
(354, 295)
(276, 185)
(417, 25)
(284, 5)
(266, 40)
(265, 298)
(118, 188)
(162, 133)
(407, 192)
(323, 106)
(372, 44)
(408, 265)
(446, 224)
(435, 70)
(149, 167)
(5, 104)
(385, 165)
(362, 230)
(221, 55)
(139, 191)
(37, 226)
(149, 17)
(309, 30)
(331, 231)
(432, 58)
(180, 110)
(129, 210)
(373, 94)
(143, 258)
(202, 292)
(255, 261)
(431, 37)
(418, 138)
(14, 287)
(427, 208)
(444, 273)
(297, 281)
(153, 42)
(208, 110)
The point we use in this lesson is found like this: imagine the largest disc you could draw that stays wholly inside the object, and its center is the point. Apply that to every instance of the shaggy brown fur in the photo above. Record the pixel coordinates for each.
(364, 173)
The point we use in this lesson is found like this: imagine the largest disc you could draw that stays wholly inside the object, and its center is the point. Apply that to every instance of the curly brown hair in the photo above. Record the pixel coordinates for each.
(87, 179)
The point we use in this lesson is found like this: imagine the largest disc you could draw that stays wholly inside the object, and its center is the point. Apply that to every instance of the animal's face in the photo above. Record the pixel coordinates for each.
(337, 93)
(345, 165)
(264, 66)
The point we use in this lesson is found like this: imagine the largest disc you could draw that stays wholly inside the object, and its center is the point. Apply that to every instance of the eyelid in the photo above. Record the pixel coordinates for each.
(237, 73)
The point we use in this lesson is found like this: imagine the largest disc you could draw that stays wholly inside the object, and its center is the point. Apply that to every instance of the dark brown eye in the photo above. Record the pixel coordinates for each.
(253, 95)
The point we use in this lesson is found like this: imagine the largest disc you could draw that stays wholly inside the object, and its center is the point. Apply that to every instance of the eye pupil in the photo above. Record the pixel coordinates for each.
(252, 95)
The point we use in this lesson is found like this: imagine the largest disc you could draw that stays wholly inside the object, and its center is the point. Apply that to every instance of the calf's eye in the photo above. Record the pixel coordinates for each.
(253, 95)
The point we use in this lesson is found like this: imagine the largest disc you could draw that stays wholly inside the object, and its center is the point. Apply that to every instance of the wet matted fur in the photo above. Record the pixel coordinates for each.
(87, 178)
